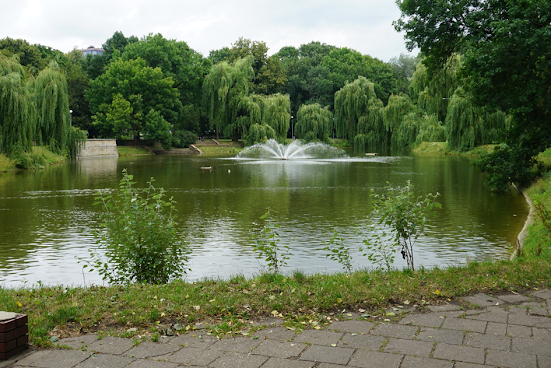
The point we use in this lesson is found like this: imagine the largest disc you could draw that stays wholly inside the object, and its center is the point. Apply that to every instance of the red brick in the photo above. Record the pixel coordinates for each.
(7, 346)
(14, 334)
(22, 340)
(9, 354)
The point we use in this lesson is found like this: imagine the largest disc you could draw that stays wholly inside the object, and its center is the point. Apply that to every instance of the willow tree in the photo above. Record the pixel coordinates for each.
(468, 125)
(313, 122)
(17, 112)
(223, 91)
(430, 129)
(52, 104)
(277, 113)
(400, 121)
(359, 114)
(264, 117)
(432, 92)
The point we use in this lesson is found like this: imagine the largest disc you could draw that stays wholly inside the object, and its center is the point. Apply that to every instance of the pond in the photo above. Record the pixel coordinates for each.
(47, 216)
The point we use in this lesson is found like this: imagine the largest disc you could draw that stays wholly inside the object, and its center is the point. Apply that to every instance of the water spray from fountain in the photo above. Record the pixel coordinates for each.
(272, 150)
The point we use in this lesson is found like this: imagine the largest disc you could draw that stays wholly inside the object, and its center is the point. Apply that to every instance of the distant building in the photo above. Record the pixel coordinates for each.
(92, 51)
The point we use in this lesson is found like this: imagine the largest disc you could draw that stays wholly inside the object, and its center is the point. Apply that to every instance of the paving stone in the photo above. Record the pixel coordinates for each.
(468, 365)
(510, 360)
(193, 341)
(194, 356)
(236, 344)
(58, 359)
(111, 345)
(498, 315)
(544, 361)
(275, 333)
(151, 349)
(477, 340)
(525, 320)
(536, 309)
(319, 337)
(513, 298)
(444, 308)
(517, 309)
(541, 334)
(105, 360)
(425, 320)
(544, 294)
(482, 300)
(288, 363)
(280, 349)
(33, 357)
(373, 359)
(231, 359)
(368, 342)
(409, 347)
(351, 326)
(464, 324)
(327, 354)
(416, 362)
(78, 341)
(498, 329)
(459, 353)
(329, 365)
(393, 330)
(453, 337)
(519, 331)
(531, 346)
(146, 363)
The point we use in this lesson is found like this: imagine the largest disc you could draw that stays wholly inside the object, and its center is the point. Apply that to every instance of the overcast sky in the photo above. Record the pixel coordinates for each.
(363, 25)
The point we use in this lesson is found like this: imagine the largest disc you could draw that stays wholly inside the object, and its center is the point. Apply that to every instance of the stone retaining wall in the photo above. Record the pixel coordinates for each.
(99, 148)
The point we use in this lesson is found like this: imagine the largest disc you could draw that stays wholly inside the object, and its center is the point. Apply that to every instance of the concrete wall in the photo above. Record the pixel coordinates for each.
(99, 148)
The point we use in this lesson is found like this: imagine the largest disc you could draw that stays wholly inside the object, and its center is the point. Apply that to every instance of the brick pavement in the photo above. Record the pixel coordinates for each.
(494, 331)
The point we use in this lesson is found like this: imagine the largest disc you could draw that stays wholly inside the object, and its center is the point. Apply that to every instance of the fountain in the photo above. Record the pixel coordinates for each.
(296, 150)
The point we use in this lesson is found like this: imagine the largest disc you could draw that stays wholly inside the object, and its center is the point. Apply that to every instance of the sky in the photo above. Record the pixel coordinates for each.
(362, 25)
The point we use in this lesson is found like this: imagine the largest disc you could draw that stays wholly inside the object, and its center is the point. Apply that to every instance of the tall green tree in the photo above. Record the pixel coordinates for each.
(17, 109)
(507, 57)
(359, 115)
(314, 122)
(177, 60)
(224, 89)
(144, 87)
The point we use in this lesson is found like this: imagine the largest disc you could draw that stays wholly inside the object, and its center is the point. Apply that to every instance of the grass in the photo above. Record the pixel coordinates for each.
(6, 163)
(213, 151)
(226, 307)
(442, 148)
(132, 151)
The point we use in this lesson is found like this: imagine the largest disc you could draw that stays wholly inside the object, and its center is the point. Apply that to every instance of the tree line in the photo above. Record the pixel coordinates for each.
(469, 86)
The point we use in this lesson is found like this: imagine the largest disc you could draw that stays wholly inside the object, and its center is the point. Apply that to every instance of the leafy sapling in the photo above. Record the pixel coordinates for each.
(267, 246)
(339, 252)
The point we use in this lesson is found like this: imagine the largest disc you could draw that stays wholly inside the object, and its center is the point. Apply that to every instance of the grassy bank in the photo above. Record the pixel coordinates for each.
(6, 163)
(38, 158)
(441, 148)
(133, 151)
(225, 307)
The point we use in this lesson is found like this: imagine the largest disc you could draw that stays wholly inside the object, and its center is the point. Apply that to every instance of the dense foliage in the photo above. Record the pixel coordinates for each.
(34, 109)
(507, 57)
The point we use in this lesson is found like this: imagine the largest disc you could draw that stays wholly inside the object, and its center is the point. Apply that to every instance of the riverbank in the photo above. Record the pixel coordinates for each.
(38, 158)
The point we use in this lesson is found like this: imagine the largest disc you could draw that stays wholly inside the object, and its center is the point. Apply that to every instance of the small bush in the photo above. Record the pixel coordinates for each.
(139, 238)
(183, 138)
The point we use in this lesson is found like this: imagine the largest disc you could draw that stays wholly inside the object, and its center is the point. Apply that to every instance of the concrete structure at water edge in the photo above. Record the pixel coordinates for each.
(99, 148)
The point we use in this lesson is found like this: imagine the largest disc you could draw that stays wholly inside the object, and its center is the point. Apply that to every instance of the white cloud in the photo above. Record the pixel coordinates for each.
(365, 26)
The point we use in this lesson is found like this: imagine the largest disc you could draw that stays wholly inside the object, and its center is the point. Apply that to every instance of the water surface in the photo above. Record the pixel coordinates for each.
(47, 216)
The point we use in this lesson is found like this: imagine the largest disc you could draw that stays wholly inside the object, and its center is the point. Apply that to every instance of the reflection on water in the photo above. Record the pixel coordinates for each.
(47, 216)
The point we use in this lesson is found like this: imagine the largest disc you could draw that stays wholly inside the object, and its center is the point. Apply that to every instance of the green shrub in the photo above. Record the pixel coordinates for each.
(139, 238)
(183, 138)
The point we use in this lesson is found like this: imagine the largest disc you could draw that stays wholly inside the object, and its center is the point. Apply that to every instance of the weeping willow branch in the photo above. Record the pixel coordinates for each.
(313, 122)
